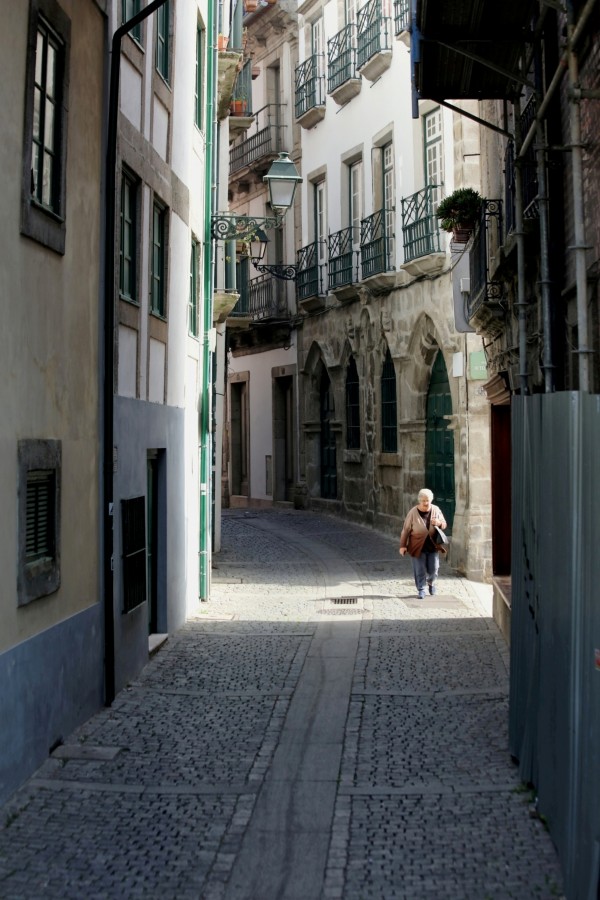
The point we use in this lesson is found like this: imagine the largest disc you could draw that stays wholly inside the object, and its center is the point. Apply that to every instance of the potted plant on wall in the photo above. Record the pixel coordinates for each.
(458, 213)
(239, 105)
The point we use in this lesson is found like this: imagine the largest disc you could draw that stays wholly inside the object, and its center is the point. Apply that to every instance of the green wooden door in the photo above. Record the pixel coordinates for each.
(439, 441)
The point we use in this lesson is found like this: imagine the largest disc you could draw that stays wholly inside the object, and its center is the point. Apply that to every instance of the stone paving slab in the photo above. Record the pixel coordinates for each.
(467, 846)
(394, 741)
(104, 846)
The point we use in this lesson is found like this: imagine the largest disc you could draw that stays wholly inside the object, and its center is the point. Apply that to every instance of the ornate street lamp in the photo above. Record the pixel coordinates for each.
(282, 180)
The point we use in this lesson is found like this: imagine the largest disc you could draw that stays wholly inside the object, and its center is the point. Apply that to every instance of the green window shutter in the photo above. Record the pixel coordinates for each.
(40, 537)
(193, 299)
(158, 261)
(162, 40)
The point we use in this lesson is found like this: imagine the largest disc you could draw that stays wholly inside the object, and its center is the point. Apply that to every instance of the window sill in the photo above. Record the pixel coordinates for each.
(388, 459)
(353, 456)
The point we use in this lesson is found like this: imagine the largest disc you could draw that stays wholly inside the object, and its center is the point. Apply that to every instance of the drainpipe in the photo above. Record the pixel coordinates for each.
(521, 303)
(109, 344)
(204, 555)
(545, 281)
(579, 245)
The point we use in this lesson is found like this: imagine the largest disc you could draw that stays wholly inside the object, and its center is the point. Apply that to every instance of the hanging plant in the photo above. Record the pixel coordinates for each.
(459, 211)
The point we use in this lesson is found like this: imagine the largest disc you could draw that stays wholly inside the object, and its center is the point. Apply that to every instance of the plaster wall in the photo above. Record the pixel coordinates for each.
(260, 418)
(49, 335)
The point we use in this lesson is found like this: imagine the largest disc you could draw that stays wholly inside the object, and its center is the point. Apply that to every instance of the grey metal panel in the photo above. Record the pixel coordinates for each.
(555, 680)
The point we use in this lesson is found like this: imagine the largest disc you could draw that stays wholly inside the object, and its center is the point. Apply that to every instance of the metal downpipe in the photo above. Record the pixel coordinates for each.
(109, 344)
(521, 303)
(579, 246)
(204, 537)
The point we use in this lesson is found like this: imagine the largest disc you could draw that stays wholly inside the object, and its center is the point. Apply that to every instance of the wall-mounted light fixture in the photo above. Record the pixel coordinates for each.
(282, 180)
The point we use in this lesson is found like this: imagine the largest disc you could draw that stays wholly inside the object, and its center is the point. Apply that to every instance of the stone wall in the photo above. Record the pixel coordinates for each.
(415, 321)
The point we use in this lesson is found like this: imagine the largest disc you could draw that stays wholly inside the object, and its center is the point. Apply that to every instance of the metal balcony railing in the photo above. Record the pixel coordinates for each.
(375, 244)
(529, 169)
(261, 298)
(372, 32)
(420, 229)
(341, 58)
(401, 15)
(265, 140)
(242, 91)
(308, 281)
(340, 268)
(309, 85)
(487, 237)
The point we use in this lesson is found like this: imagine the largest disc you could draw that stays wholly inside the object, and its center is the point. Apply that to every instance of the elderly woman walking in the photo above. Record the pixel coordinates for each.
(418, 539)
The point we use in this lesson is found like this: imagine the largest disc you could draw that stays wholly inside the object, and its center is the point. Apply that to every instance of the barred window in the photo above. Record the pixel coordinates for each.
(389, 430)
(133, 528)
(352, 406)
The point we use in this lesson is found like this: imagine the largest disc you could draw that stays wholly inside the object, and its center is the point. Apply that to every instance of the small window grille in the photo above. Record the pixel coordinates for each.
(40, 517)
(133, 525)
(389, 429)
(352, 407)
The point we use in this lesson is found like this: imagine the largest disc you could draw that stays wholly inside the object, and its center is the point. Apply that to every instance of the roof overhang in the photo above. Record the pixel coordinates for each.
(469, 49)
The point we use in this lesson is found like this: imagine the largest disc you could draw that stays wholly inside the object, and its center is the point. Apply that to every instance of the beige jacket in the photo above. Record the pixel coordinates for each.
(414, 532)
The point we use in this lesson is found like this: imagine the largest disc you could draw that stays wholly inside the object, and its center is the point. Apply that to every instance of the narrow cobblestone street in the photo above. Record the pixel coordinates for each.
(314, 732)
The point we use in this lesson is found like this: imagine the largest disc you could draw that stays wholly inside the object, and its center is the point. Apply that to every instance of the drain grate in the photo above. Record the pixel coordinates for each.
(344, 601)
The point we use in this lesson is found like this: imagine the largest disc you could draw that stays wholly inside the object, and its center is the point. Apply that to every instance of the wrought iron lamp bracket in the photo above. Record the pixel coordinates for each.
(277, 270)
(241, 228)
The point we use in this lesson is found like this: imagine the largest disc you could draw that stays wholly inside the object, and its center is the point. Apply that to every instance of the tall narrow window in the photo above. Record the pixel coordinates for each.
(130, 8)
(158, 292)
(355, 199)
(199, 86)
(44, 152)
(389, 200)
(433, 152)
(193, 299)
(389, 429)
(318, 45)
(320, 213)
(352, 406)
(128, 248)
(162, 40)
(43, 186)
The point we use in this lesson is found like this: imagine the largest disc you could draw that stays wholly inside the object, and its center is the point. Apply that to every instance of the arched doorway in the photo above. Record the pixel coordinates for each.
(439, 441)
(327, 448)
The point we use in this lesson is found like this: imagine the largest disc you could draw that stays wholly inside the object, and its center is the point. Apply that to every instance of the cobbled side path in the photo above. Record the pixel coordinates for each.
(166, 794)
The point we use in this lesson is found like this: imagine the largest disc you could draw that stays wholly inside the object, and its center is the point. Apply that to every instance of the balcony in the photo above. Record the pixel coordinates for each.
(420, 233)
(470, 48)
(374, 53)
(310, 91)
(309, 291)
(240, 109)
(343, 81)
(376, 242)
(261, 299)
(262, 146)
(342, 273)
(402, 20)
(485, 309)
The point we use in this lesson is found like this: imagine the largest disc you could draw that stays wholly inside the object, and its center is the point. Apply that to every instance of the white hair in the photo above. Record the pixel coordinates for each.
(425, 492)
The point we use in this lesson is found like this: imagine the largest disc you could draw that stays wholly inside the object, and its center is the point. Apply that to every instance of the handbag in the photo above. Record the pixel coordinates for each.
(438, 536)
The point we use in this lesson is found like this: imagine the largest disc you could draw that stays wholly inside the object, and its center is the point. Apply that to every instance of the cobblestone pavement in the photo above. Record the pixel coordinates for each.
(314, 731)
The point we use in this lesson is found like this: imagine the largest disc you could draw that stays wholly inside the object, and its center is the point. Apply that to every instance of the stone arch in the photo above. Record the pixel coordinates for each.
(423, 346)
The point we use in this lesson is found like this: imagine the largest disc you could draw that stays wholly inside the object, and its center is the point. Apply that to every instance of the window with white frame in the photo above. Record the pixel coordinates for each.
(355, 198)
(433, 152)
(320, 219)
(318, 45)
(389, 200)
